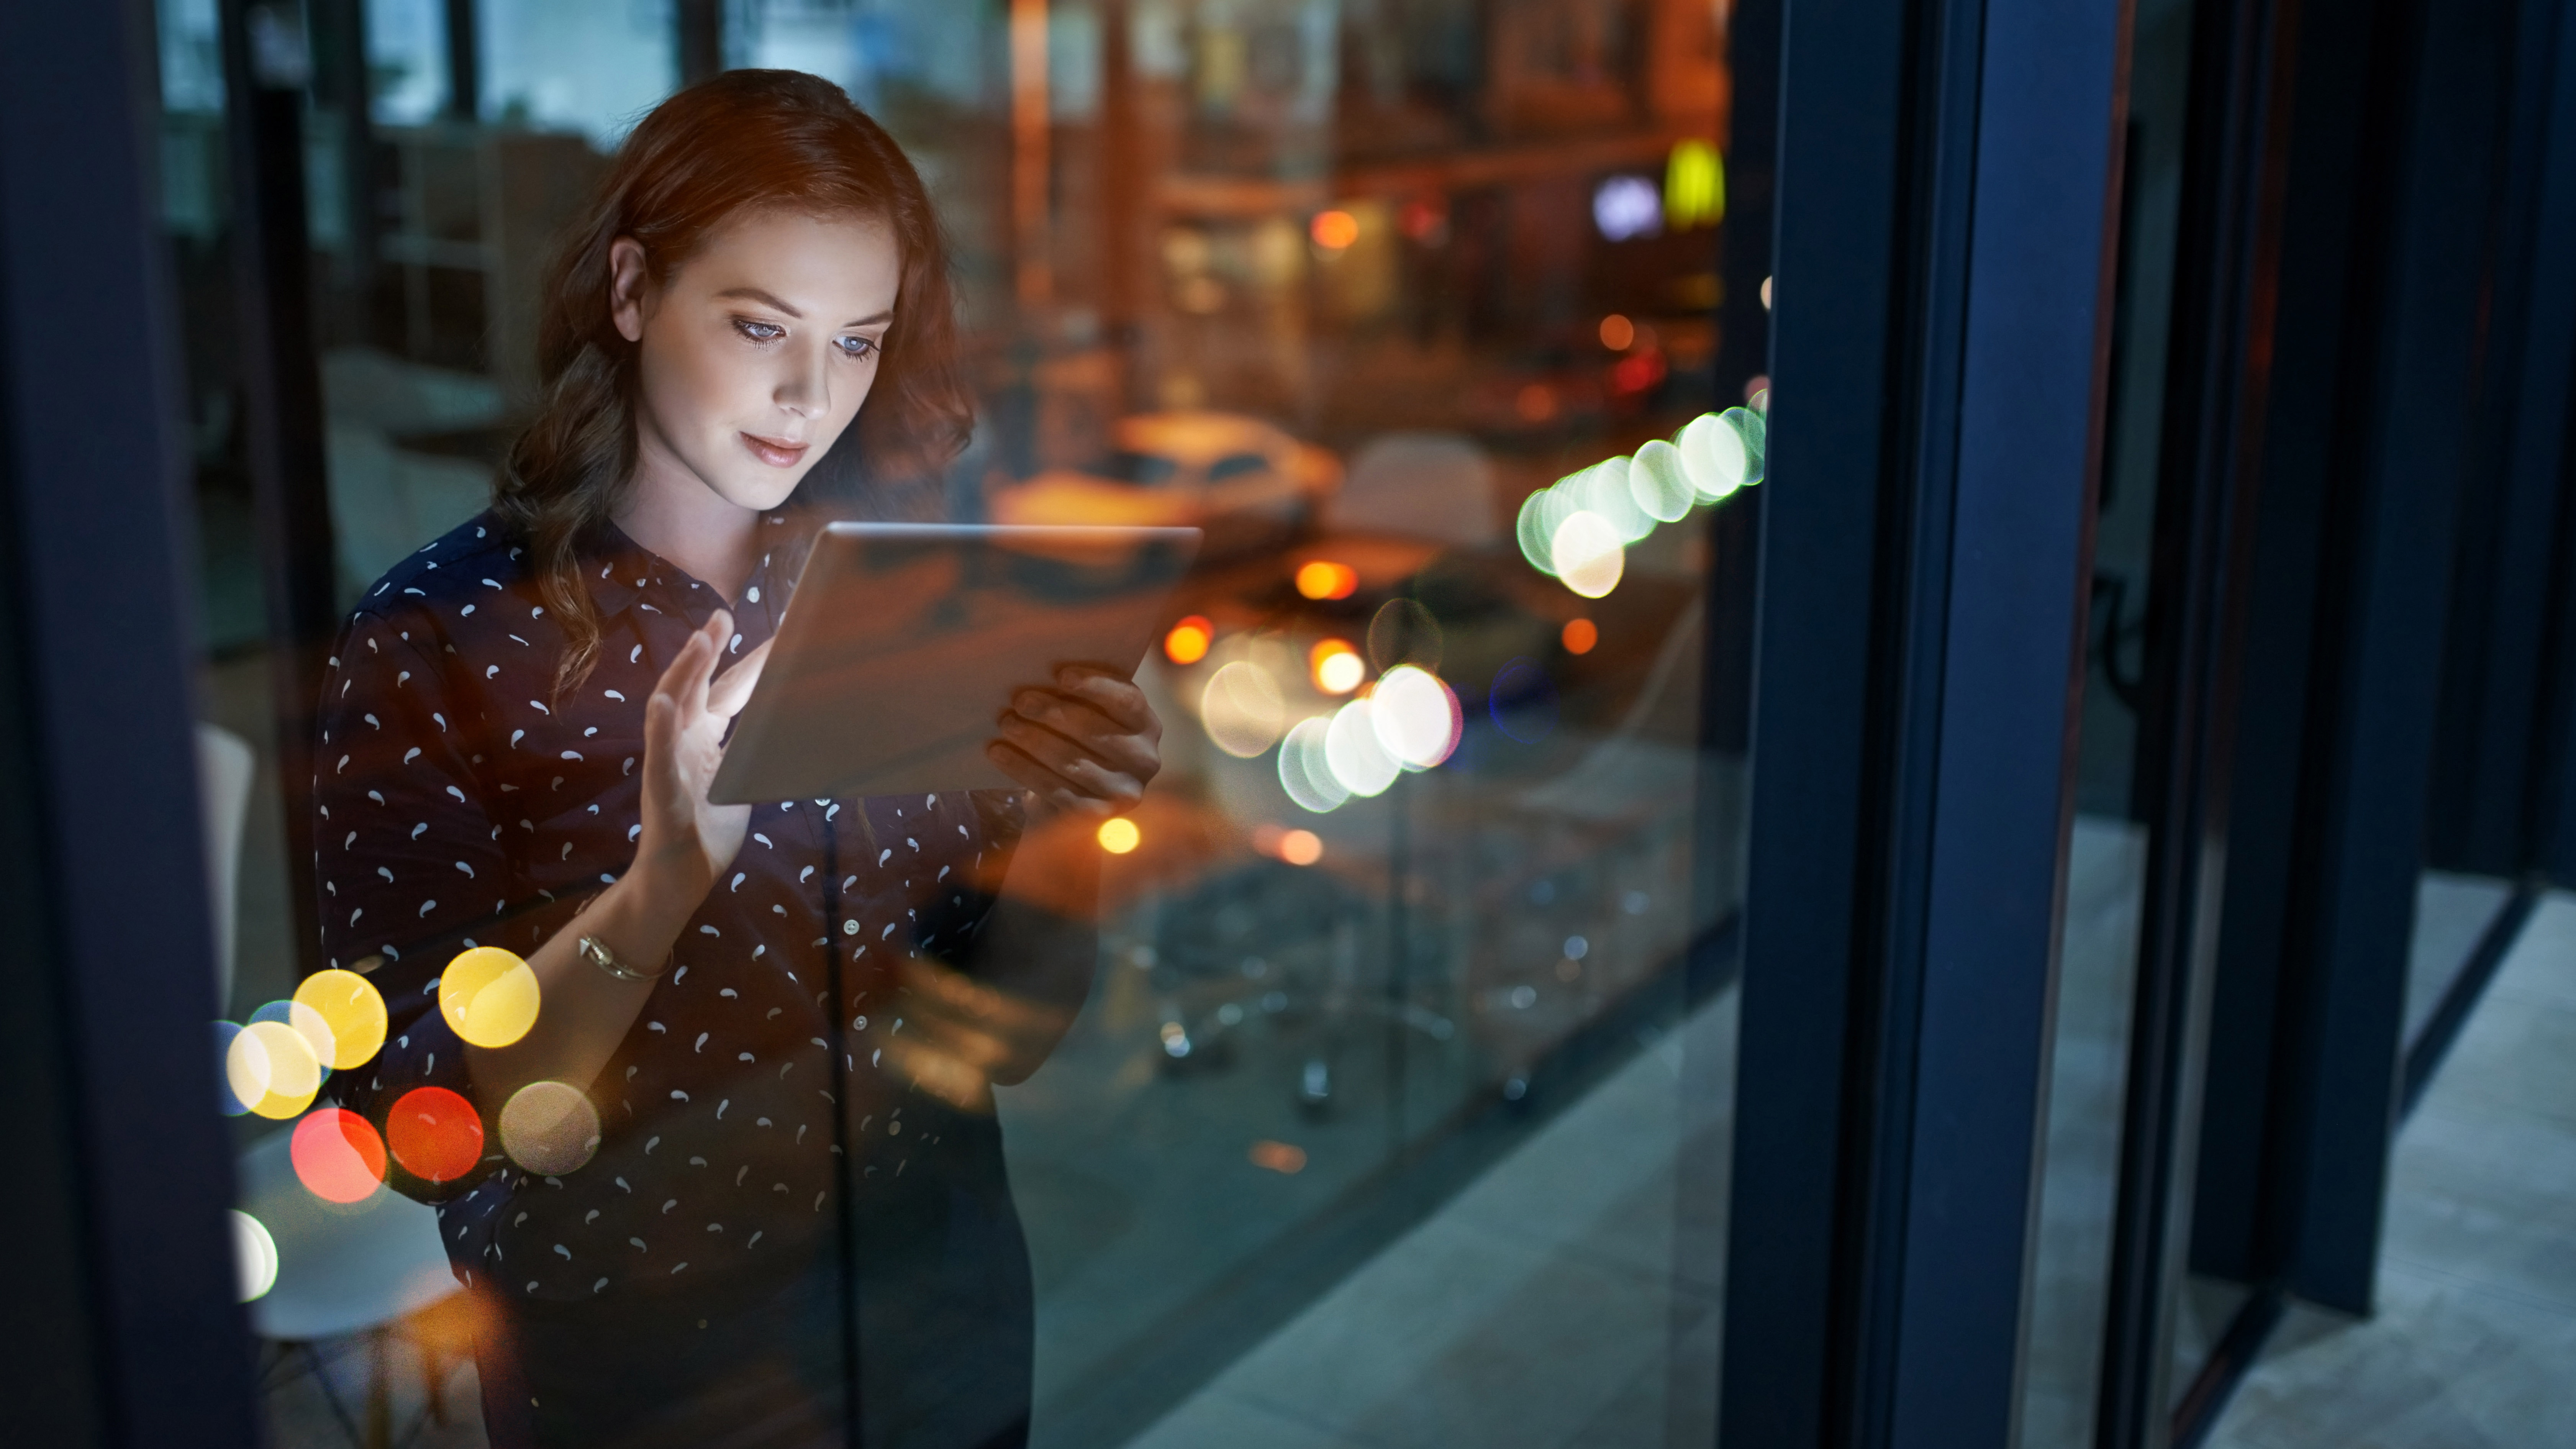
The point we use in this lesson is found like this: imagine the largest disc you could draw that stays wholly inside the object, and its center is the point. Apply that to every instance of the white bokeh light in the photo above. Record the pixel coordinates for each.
(1242, 709)
(1659, 483)
(1303, 772)
(1714, 456)
(254, 1255)
(1353, 754)
(1588, 554)
(1416, 716)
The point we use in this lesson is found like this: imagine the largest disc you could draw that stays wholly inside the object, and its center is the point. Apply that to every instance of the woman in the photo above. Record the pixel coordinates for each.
(784, 1018)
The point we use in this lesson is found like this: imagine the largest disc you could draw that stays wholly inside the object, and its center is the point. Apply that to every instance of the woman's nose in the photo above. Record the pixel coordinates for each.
(806, 389)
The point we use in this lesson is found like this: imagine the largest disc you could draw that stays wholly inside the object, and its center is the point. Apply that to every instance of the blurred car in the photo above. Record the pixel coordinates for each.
(1243, 480)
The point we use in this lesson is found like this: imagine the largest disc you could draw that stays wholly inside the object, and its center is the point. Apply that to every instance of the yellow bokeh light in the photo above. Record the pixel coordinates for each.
(1336, 666)
(349, 1007)
(1189, 640)
(1120, 835)
(489, 996)
(272, 1067)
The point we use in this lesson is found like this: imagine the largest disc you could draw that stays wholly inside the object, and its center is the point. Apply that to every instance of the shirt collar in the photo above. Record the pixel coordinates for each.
(620, 571)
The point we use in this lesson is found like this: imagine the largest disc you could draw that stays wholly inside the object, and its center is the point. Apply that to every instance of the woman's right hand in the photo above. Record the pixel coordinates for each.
(687, 842)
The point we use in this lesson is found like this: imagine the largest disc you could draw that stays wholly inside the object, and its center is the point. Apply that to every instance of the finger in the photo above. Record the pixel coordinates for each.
(1089, 731)
(1051, 788)
(732, 689)
(1073, 764)
(1116, 697)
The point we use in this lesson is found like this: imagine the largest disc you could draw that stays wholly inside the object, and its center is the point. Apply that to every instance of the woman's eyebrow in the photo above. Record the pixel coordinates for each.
(769, 299)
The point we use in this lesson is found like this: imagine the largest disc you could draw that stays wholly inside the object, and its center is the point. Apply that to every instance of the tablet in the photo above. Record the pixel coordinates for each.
(903, 644)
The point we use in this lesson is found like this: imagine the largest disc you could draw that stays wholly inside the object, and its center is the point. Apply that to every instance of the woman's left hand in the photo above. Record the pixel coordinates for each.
(1089, 744)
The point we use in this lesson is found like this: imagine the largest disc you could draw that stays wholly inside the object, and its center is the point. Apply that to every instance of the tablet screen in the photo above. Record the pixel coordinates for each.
(905, 642)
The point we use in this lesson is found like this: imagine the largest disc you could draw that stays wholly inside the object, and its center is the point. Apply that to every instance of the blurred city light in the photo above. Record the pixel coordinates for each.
(1579, 635)
(1659, 482)
(307, 1023)
(1242, 709)
(1334, 230)
(1627, 207)
(1325, 579)
(1694, 185)
(1303, 771)
(1617, 332)
(1120, 835)
(549, 1128)
(1587, 553)
(272, 1069)
(254, 1255)
(1416, 717)
(1281, 1157)
(1355, 754)
(1301, 847)
(434, 1133)
(353, 1011)
(1335, 666)
(489, 996)
(1189, 639)
(337, 1155)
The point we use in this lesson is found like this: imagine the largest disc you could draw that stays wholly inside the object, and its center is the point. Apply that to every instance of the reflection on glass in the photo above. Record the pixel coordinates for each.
(1369, 1012)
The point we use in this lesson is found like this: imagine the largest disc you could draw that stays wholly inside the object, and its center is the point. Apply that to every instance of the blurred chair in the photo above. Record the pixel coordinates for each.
(356, 1270)
(1434, 486)
(225, 767)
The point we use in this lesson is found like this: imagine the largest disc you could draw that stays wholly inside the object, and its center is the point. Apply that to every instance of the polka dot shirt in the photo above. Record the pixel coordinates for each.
(459, 802)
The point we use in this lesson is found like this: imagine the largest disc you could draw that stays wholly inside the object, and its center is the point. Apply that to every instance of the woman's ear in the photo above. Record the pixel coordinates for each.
(627, 280)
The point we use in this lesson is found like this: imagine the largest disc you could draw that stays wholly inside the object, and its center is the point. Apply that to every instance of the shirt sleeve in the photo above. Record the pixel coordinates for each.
(408, 863)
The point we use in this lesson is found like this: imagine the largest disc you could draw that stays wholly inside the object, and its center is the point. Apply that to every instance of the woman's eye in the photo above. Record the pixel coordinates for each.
(759, 331)
(857, 347)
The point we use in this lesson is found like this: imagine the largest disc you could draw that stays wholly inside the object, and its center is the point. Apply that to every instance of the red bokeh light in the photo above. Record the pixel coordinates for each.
(337, 1156)
(434, 1133)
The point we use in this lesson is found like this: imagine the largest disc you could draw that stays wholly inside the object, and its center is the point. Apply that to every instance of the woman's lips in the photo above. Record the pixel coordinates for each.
(775, 454)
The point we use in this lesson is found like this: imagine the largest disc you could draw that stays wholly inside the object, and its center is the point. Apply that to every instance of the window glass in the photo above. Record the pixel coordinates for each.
(1362, 1079)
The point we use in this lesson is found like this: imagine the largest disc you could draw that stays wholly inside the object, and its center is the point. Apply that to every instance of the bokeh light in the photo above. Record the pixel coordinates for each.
(1335, 666)
(1603, 490)
(1281, 1157)
(1659, 483)
(337, 1155)
(489, 996)
(1580, 634)
(1355, 755)
(1713, 457)
(1334, 230)
(307, 1023)
(1120, 835)
(1303, 771)
(1300, 847)
(1415, 716)
(254, 1255)
(549, 1128)
(272, 1068)
(1588, 555)
(1242, 709)
(435, 1134)
(1617, 332)
(1403, 631)
(1188, 641)
(1536, 527)
(349, 1006)
(1324, 579)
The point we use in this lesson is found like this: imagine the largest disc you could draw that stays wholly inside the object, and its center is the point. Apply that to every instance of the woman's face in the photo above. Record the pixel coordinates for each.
(759, 350)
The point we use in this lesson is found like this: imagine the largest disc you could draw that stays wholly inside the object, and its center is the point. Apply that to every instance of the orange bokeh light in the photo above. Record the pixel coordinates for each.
(1282, 1157)
(1335, 666)
(337, 1156)
(435, 1134)
(1580, 635)
(1189, 640)
(1325, 579)
(1300, 847)
(1334, 230)
(1617, 332)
